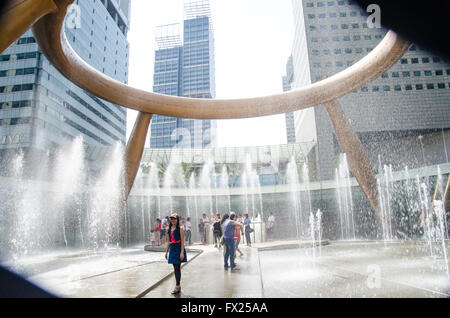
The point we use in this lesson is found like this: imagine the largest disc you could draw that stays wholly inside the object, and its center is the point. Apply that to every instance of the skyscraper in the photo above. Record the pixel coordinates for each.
(42, 110)
(287, 82)
(395, 116)
(185, 69)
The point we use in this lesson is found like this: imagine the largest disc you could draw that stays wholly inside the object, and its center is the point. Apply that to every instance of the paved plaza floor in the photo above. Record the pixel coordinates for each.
(267, 270)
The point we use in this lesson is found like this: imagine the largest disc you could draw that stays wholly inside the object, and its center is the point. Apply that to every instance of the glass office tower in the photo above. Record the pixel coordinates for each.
(395, 116)
(185, 69)
(42, 110)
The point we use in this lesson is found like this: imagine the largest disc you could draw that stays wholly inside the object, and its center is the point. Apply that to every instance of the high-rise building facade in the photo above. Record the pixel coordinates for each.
(40, 109)
(185, 69)
(402, 118)
(287, 82)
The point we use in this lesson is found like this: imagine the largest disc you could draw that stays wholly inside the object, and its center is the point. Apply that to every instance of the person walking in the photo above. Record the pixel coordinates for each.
(229, 227)
(201, 230)
(217, 231)
(157, 231)
(188, 230)
(248, 229)
(205, 227)
(175, 251)
(164, 226)
(270, 225)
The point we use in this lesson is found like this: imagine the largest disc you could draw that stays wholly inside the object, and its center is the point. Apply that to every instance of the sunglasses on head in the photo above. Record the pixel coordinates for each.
(173, 218)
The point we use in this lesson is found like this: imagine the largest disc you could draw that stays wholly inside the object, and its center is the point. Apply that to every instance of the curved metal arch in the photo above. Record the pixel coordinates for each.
(51, 38)
(48, 30)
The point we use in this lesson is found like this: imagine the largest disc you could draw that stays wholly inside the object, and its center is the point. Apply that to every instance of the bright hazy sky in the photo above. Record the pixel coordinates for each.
(253, 40)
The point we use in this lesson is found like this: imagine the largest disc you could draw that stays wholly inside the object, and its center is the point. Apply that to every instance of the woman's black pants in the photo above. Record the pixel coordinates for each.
(177, 269)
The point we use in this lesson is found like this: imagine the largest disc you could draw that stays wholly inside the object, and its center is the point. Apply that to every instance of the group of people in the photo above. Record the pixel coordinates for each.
(214, 223)
(159, 232)
(227, 231)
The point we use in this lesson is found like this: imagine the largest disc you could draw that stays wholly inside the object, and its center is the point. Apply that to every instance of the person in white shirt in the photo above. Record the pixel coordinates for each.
(270, 225)
(205, 220)
(187, 233)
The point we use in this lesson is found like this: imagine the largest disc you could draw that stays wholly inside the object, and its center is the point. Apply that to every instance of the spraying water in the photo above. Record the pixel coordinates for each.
(345, 199)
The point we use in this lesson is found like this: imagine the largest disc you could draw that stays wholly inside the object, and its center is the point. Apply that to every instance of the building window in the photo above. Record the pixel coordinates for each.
(436, 59)
(375, 88)
(386, 88)
(416, 73)
(364, 89)
(408, 87)
(425, 60)
(441, 85)
(404, 61)
(419, 86)
(397, 88)
(439, 72)
(337, 51)
(430, 86)
(428, 73)
(395, 74)
(384, 75)
(414, 60)
(344, 26)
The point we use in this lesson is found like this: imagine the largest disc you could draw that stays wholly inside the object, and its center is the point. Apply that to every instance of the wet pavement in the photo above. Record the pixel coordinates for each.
(272, 269)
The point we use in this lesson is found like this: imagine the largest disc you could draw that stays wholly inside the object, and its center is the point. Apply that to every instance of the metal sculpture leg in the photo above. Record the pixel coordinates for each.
(356, 157)
(135, 149)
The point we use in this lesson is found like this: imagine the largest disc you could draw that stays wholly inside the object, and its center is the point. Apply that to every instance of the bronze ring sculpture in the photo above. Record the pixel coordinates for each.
(47, 20)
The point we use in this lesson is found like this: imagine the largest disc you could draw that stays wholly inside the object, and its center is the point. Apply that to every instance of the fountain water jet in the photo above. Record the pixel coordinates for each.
(345, 199)
(293, 181)
(106, 222)
(70, 182)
